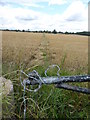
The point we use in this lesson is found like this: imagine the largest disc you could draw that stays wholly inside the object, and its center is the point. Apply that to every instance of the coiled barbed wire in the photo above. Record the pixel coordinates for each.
(52, 66)
(37, 78)
(59, 81)
(25, 88)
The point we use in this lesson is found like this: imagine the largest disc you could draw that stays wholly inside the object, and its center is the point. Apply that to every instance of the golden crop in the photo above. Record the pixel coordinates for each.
(36, 48)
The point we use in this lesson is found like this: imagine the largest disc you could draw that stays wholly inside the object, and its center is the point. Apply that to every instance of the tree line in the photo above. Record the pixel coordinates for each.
(86, 33)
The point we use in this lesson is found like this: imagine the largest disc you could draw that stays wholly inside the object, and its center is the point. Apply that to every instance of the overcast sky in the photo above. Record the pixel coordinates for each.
(62, 15)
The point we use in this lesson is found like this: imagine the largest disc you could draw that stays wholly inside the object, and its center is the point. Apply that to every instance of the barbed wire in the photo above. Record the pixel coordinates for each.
(35, 76)
(24, 100)
(52, 66)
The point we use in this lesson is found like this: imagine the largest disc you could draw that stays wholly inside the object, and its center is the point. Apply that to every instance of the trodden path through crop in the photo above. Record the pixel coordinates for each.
(42, 52)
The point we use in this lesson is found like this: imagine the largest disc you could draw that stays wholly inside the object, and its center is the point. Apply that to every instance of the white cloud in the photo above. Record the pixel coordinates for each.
(77, 11)
(75, 18)
(57, 2)
(17, 18)
(35, 2)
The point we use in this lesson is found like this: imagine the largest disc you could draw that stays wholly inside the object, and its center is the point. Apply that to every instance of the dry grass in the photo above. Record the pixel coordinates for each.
(74, 46)
(32, 48)
(44, 49)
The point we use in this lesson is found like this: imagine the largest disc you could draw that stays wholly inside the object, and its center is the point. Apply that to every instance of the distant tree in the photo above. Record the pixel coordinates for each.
(60, 32)
(46, 31)
(7, 30)
(66, 32)
(23, 30)
(83, 33)
(54, 31)
(16, 30)
(49, 31)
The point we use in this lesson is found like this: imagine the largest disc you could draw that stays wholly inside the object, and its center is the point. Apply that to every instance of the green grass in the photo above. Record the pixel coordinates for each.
(48, 102)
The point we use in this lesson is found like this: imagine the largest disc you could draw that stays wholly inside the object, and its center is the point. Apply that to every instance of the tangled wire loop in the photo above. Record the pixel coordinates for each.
(36, 77)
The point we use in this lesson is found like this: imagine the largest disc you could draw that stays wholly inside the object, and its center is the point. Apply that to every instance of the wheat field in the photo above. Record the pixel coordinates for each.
(25, 49)
(36, 48)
